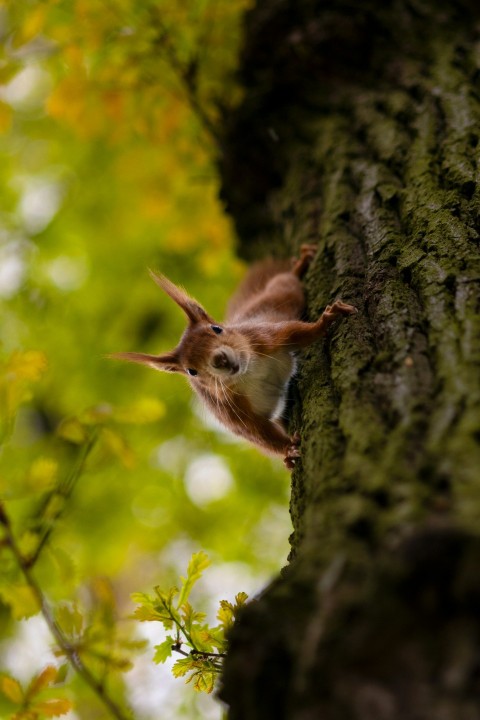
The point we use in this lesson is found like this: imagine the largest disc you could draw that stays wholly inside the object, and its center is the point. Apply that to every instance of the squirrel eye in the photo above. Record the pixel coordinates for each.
(192, 372)
(217, 330)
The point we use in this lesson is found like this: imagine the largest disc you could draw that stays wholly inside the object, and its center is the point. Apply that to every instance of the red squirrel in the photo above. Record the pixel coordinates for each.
(241, 368)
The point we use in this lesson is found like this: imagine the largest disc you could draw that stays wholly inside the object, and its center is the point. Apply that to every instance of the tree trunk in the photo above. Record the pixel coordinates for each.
(359, 131)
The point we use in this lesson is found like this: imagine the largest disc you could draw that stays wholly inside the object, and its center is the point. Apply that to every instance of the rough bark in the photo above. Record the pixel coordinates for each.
(359, 131)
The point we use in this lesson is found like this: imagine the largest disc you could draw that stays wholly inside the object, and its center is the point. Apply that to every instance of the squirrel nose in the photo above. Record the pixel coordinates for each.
(220, 360)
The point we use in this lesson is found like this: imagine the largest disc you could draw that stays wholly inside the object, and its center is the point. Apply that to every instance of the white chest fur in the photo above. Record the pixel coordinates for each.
(265, 382)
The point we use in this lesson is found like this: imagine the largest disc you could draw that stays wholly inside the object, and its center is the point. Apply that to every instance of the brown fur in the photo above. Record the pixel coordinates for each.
(242, 372)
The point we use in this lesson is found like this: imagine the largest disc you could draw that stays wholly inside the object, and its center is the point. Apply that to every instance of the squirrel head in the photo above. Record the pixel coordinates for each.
(207, 351)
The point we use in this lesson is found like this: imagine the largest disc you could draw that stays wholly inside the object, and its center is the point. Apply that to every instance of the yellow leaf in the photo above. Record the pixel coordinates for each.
(103, 592)
(43, 473)
(53, 708)
(17, 372)
(12, 689)
(225, 614)
(25, 715)
(28, 543)
(183, 666)
(71, 429)
(68, 102)
(45, 678)
(240, 599)
(143, 410)
(204, 681)
(34, 23)
(29, 365)
(118, 446)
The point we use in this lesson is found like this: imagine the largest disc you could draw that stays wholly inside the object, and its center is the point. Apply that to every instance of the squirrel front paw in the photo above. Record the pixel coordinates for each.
(307, 254)
(292, 452)
(340, 308)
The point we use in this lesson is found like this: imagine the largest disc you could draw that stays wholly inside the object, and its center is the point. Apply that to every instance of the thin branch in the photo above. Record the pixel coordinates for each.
(71, 652)
(64, 491)
(187, 74)
(208, 654)
(195, 650)
(177, 622)
(177, 648)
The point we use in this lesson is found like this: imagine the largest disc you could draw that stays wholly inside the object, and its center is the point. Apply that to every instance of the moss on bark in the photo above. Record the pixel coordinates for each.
(359, 131)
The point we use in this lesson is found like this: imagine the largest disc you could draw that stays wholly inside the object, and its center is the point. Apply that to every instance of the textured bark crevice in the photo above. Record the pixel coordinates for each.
(359, 131)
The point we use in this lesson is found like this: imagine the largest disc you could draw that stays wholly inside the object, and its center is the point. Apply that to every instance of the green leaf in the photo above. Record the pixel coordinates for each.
(240, 600)
(22, 600)
(225, 614)
(190, 616)
(141, 598)
(145, 614)
(166, 597)
(62, 673)
(164, 650)
(70, 619)
(227, 611)
(152, 610)
(183, 666)
(200, 638)
(215, 637)
(164, 606)
(198, 563)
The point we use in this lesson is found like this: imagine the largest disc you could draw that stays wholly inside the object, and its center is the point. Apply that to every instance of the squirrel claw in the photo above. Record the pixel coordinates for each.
(293, 452)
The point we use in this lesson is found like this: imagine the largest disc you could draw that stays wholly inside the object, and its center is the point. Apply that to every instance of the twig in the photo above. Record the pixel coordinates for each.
(64, 491)
(208, 654)
(187, 74)
(194, 651)
(70, 651)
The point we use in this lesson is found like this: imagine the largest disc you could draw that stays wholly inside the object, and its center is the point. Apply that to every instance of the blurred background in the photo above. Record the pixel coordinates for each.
(111, 475)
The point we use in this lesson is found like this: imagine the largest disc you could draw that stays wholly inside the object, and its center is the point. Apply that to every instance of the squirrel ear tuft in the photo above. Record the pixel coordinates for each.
(193, 310)
(167, 363)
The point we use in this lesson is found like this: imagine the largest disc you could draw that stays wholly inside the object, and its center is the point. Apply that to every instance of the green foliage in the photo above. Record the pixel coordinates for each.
(207, 645)
(109, 121)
